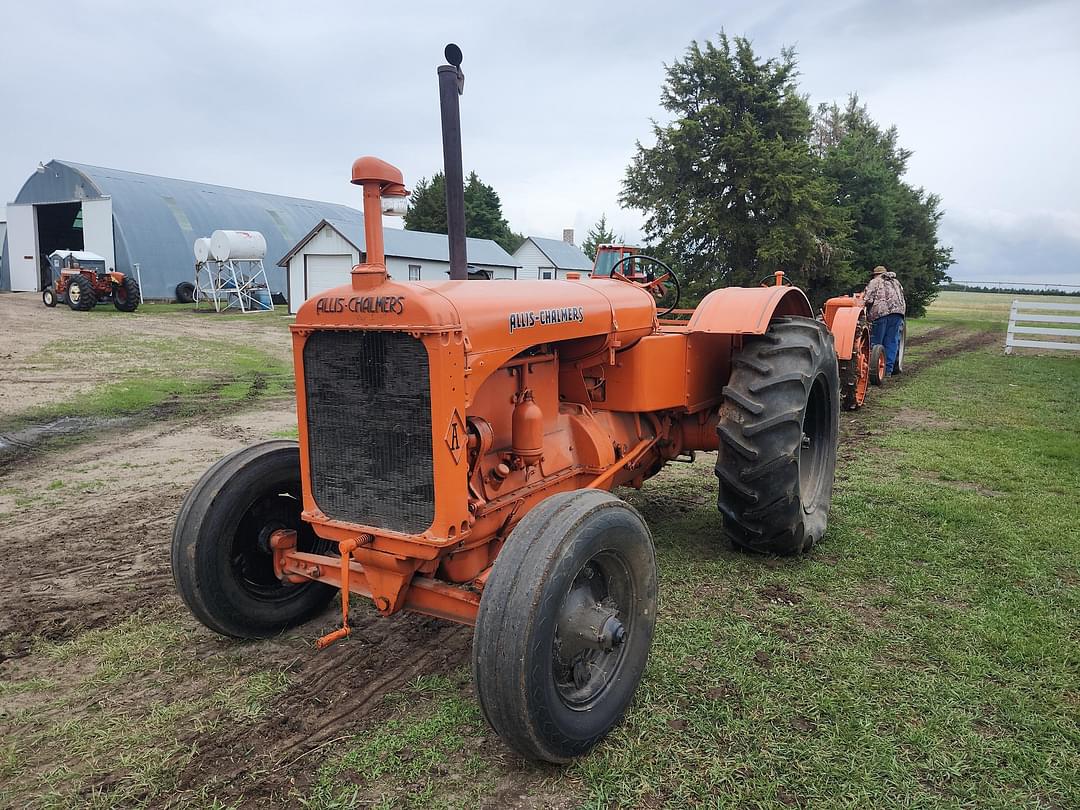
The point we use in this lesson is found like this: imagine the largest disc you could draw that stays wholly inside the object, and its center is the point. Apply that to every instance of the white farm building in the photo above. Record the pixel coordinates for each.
(324, 257)
(541, 259)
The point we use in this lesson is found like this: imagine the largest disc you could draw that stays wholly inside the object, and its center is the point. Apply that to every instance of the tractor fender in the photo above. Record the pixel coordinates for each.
(844, 325)
(117, 278)
(747, 310)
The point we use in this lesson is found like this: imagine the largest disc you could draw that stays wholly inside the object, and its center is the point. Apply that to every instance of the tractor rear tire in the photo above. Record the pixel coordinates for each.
(877, 364)
(80, 294)
(185, 292)
(778, 429)
(855, 371)
(222, 563)
(48, 297)
(126, 294)
(565, 624)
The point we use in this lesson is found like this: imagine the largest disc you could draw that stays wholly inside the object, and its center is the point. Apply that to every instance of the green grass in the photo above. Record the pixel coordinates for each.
(180, 376)
(280, 315)
(924, 656)
(133, 696)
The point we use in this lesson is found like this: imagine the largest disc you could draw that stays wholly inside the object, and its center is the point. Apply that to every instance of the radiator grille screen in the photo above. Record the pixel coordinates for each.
(369, 428)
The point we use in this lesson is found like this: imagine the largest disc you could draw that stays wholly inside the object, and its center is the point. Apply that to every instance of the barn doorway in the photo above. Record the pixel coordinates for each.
(59, 227)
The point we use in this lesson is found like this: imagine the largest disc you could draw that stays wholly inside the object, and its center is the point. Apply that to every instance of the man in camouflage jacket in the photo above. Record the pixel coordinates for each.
(885, 307)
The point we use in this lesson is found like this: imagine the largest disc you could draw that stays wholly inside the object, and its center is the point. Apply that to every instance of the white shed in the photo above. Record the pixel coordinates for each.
(324, 257)
(542, 259)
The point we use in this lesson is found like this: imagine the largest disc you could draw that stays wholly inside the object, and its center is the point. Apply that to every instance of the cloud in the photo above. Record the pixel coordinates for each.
(1038, 247)
(282, 97)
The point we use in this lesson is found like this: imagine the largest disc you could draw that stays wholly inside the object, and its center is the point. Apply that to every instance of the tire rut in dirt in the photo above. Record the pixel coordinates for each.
(854, 429)
(937, 333)
(333, 694)
(122, 567)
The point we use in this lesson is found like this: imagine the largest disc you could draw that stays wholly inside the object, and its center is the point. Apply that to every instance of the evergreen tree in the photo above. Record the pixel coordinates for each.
(731, 190)
(600, 234)
(483, 211)
(427, 205)
(892, 223)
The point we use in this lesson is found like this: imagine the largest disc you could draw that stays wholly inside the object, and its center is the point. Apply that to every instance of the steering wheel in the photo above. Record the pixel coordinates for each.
(785, 281)
(652, 283)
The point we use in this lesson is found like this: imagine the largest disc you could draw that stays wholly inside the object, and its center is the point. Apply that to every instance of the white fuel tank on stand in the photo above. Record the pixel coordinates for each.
(237, 245)
(202, 249)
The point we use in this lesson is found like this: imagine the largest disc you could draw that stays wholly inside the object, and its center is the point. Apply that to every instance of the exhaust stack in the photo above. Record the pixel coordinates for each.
(452, 85)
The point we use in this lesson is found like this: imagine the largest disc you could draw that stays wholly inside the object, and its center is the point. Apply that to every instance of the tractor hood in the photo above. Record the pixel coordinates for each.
(505, 317)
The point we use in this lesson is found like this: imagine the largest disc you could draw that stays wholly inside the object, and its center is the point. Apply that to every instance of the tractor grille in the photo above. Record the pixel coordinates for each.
(369, 428)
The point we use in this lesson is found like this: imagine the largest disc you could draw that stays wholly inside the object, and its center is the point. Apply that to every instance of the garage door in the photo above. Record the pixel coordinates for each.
(323, 271)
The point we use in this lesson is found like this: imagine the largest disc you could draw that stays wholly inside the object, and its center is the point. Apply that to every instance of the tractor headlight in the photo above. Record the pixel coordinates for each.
(394, 206)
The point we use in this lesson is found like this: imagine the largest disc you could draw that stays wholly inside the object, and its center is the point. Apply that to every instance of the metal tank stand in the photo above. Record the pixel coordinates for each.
(233, 284)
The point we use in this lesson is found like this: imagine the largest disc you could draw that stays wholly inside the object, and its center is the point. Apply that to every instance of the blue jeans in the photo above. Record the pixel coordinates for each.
(886, 331)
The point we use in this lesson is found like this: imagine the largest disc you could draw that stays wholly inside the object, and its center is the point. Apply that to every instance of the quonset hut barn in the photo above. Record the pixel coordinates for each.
(134, 218)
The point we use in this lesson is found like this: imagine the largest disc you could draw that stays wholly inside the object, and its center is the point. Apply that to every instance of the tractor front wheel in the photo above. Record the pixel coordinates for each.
(565, 624)
(80, 294)
(222, 562)
(779, 424)
(126, 294)
(48, 297)
(877, 364)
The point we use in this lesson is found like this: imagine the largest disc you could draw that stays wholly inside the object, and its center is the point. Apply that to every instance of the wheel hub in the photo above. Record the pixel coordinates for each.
(589, 638)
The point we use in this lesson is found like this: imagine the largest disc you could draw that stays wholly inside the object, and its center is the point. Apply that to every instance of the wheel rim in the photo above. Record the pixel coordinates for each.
(881, 366)
(862, 349)
(815, 447)
(74, 293)
(121, 294)
(250, 555)
(593, 631)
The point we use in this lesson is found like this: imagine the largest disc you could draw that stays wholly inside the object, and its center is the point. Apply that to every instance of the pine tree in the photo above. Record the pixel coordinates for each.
(731, 189)
(600, 234)
(893, 223)
(483, 211)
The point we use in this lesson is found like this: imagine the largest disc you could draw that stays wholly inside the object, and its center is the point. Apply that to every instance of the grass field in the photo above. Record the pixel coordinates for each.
(924, 656)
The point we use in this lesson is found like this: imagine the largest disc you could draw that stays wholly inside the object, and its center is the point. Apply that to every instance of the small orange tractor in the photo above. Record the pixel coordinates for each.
(861, 361)
(846, 318)
(459, 442)
(82, 280)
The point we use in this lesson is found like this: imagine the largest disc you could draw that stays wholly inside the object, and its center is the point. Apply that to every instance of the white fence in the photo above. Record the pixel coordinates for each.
(1042, 313)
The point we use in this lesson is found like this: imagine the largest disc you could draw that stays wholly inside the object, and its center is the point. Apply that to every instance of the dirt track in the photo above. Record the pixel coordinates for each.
(95, 550)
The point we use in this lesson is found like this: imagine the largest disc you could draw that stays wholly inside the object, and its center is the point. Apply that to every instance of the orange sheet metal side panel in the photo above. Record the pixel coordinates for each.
(708, 366)
(651, 375)
(675, 370)
(844, 323)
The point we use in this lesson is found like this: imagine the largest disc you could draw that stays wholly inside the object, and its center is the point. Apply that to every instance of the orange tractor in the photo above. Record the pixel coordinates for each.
(82, 280)
(861, 361)
(458, 445)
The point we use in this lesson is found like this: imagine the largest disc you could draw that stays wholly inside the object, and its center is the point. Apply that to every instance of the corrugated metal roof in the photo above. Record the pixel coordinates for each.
(563, 255)
(412, 244)
(156, 220)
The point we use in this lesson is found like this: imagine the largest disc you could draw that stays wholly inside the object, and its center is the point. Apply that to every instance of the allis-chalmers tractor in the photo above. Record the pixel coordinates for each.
(458, 444)
(81, 279)
(861, 362)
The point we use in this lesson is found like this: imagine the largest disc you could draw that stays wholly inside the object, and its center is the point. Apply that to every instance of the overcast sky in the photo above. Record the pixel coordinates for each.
(281, 97)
